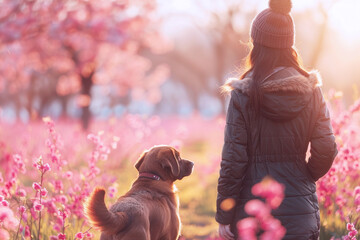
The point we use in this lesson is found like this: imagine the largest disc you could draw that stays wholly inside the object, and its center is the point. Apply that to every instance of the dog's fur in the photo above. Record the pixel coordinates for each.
(150, 209)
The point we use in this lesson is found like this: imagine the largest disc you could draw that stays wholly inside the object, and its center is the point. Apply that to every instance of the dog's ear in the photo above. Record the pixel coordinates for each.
(171, 161)
(140, 160)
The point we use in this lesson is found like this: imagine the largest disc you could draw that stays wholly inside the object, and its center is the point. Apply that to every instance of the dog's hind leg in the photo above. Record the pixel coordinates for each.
(139, 230)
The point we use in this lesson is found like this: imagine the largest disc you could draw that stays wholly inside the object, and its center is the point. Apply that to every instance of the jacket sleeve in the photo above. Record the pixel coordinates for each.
(323, 147)
(234, 161)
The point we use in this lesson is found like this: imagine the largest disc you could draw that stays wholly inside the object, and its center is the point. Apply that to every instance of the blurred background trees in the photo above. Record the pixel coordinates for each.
(61, 48)
(77, 58)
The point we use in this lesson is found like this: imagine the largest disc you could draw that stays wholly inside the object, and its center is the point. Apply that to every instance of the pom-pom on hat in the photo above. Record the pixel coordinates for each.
(274, 27)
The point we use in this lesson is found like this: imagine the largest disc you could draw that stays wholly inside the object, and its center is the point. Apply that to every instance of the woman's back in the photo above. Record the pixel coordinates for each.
(276, 109)
(276, 142)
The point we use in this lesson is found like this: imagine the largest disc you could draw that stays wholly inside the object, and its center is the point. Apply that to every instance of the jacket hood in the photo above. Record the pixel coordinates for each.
(286, 91)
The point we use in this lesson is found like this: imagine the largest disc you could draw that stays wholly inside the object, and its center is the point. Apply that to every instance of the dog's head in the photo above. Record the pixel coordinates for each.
(164, 161)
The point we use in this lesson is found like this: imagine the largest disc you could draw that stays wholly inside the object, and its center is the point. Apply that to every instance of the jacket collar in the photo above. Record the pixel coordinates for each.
(282, 79)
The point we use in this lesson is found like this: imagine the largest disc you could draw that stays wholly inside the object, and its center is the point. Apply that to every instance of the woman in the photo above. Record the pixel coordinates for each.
(276, 109)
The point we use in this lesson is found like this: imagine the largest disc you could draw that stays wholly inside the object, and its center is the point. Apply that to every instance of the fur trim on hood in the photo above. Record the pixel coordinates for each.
(282, 79)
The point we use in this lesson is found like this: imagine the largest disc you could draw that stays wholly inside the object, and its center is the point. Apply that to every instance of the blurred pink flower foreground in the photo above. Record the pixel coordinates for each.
(248, 228)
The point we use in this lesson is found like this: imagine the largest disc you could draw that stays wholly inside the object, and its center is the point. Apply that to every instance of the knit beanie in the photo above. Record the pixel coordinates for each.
(274, 27)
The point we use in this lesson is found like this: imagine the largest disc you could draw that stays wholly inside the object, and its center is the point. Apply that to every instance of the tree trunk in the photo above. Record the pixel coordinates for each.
(30, 99)
(86, 85)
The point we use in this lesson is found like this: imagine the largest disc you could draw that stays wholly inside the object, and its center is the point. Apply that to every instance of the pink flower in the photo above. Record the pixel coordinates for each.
(112, 189)
(22, 209)
(247, 228)
(57, 228)
(36, 186)
(271, 190)
(4, 203)
(27, 231)
(46, 167)
(352, 233)
(68, 174)
(63, 199)
(257, 208)
(62, 214)
(79, 235)
(103, 157)
(43, 192)
(4, 234)
(38, 207)
(350, 226)
(21, 193)
(1, 198)
(17, 158)
(89, 235)
(53, 238)
(7, 218)
(58, 185)
(61, 236)
(114, 145)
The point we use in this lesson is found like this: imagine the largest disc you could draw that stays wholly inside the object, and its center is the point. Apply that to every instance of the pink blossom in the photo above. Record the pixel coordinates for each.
(7, 218)
(62, 214)
(46, 167)
(68, 174)
(38, 207)
(61, 236)
(27, 231)
(247, 228)
(22, 209)
(89, 235)
(257, 208)
(58, 185)
(114, 145)
(4, 234)
(5, 203)
(21, 193)
(112, 191)
(350, 226)
(271, 190)
(1, 198)
(63, 199)
(36, 186)
(79, 235)
(9, 185)
(57, 228)
(77, 188)
(53, 238)
(43, 192)
(103, 157)
(352, 233)
(357, 190)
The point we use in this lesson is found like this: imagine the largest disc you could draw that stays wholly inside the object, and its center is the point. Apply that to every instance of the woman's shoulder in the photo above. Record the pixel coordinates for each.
(289, 79)
(237, 84)
(281, 79)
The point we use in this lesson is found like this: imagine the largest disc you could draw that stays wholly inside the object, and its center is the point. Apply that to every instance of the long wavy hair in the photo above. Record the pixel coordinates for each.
(261, 61)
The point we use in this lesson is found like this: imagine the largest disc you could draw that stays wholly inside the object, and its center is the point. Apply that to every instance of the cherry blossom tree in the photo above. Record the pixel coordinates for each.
(75, 44)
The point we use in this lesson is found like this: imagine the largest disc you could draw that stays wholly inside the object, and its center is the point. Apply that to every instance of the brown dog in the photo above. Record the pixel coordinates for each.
(150, 209)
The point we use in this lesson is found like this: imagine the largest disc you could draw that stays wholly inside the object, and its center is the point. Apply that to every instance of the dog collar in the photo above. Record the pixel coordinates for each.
(149, 176)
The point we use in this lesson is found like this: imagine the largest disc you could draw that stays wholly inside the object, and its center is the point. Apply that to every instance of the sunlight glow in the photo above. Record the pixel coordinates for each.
(345, 17)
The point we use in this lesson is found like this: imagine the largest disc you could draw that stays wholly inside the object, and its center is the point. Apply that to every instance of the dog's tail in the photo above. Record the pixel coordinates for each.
(100, 217)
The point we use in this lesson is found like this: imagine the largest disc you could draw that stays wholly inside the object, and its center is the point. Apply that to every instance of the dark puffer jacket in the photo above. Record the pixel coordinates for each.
(293, 114)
